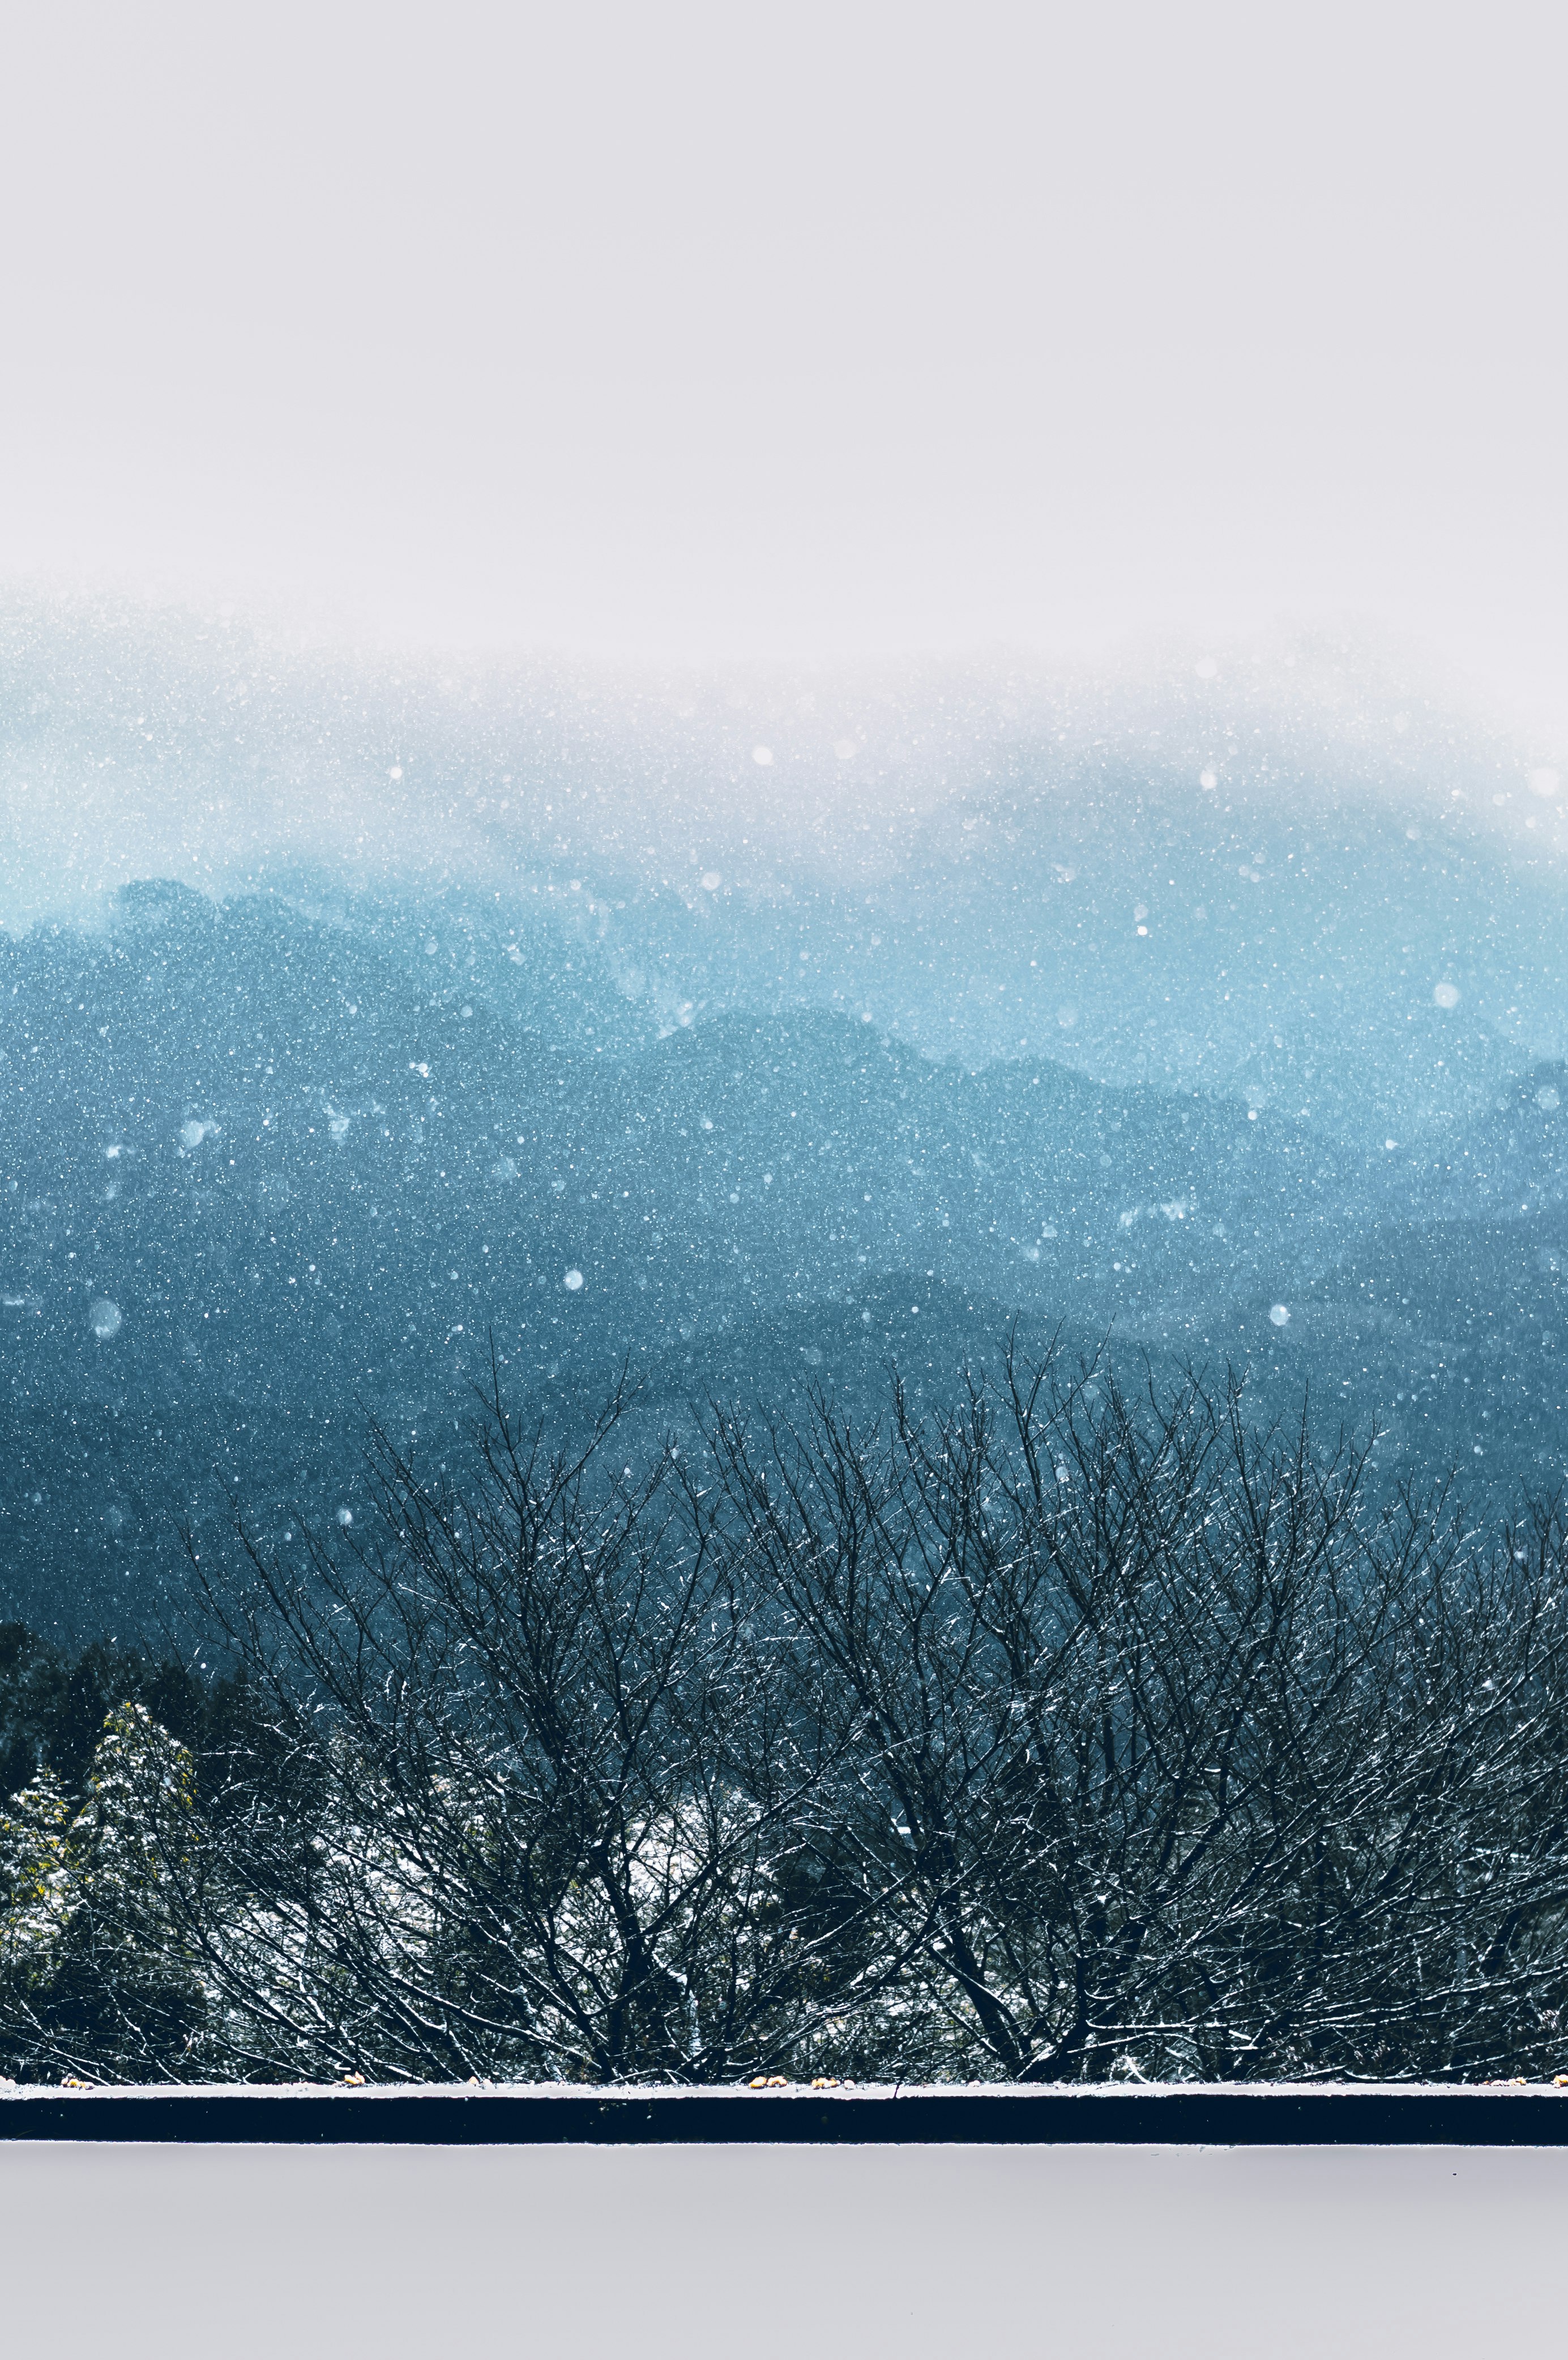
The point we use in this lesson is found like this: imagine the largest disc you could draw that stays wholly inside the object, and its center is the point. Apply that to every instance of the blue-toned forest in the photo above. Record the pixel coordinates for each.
(711, 1074)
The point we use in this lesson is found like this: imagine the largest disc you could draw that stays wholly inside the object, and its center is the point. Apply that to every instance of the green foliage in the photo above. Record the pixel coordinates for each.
(94, 1976)
(38, 1874)
(53, 1705)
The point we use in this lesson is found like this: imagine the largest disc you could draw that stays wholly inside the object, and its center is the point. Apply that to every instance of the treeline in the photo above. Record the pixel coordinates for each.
(1072, 1733)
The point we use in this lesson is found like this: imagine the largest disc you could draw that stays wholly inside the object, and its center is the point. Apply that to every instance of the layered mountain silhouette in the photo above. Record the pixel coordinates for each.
(267, 1175)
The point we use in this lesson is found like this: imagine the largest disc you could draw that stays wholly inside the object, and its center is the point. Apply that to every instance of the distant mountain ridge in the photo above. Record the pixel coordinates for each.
(265, 1174)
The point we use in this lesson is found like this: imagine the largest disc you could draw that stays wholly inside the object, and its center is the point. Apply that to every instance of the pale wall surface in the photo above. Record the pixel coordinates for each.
(1157, 2252)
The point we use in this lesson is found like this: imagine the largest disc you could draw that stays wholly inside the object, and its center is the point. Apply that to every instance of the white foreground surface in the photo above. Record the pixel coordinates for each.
(1152, 2252)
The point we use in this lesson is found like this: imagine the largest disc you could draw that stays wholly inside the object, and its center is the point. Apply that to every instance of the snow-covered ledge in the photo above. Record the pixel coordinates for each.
(443, 2114)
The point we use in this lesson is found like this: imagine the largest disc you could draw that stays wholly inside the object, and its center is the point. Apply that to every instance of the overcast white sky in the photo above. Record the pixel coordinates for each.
(712, 330)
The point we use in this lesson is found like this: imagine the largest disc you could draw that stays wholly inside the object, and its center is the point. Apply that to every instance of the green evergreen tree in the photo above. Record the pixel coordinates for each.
(95, 1980)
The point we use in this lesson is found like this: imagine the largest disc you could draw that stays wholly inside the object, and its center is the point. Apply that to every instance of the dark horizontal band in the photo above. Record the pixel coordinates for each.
(1255, 2115)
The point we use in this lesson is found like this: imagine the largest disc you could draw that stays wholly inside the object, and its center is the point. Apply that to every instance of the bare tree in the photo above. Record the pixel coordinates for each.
(1076, 1732)
(1161, 1750)
(554, 1787)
